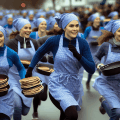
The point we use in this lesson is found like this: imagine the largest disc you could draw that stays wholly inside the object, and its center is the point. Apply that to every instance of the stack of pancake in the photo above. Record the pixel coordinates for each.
(31, 86)
(26, 63)
(3, 86)
(47, 69)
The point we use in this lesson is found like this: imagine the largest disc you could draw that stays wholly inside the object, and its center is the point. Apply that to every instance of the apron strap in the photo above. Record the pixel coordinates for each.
(61, 43)
(32, 46)
(5, 52)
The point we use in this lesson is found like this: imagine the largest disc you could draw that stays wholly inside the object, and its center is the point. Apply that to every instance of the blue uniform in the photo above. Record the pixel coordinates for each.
(14, 76)
(89, 33)
(109, 86)
(34, 35)
(2, 22)
(8, 57)
(65, 81)
(9, 29)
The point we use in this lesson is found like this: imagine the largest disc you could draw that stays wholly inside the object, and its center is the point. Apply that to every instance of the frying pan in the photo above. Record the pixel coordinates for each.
(42, 71)
(111, 69)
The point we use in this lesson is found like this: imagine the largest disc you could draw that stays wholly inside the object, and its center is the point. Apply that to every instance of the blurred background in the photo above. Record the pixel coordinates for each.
(51, 4)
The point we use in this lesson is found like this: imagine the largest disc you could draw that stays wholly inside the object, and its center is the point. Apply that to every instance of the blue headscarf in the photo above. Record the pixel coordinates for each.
(51, 23)
(57, 14)
(31, 12)
(64, 19)
(76, 13)
(112, 26)
(102, 18)
(7, 11)
(3, 31)
(19, 23)
(24, 11)
(51, 12)
(93, 17)
(38, 21)
(39, 14)
(1, 14)
(8, 16)
(112, 14)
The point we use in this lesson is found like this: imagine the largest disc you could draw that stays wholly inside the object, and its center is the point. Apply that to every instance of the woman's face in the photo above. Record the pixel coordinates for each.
(117, 35)
(10, 21)
(31, 17)
(42, 26)
(115, 17)
(97, 21)
(42, 16)
(24, 14)
(72, 30)
(1, 39)
(25, 31)
(55, 26)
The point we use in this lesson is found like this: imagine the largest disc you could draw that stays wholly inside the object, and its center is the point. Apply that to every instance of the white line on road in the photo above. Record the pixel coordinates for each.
(85, 79)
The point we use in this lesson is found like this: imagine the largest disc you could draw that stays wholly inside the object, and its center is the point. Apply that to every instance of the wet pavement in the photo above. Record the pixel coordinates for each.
(89, 109)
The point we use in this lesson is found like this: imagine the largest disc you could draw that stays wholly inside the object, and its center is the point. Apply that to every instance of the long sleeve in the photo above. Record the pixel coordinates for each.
(19, 65)
(102, 51)
(46, 47)
(33, 35)
(43, 39)
(87, 60)
(87, 31)
(13, 58)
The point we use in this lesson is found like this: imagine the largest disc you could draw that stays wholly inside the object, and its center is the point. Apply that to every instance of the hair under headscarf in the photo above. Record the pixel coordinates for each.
(112, 26)
(102, 18)
(8, 16)
(93, 17)
(51, 23)
(64, 19)
(39, 14)
(31, 12)
(38, 21)
(19, 23)
(112, 14)
(24, 11)
(51, 12)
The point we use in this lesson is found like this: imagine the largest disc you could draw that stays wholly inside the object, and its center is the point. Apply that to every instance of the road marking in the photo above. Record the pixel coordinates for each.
(85, 79)
(96, 73)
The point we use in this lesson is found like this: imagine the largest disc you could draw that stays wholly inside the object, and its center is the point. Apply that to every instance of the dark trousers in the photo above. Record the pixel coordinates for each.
(114, 113)
(37, 99)
(4, 117)
(90, 76)
(69, 114)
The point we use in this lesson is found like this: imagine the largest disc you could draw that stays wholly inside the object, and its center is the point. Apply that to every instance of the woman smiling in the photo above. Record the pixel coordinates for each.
(25, 47)
(8, 58)
(70, 53)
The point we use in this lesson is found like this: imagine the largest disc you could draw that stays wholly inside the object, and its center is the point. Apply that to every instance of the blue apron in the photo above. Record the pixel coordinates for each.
(7, 101)
(2, 22)
(32, 24)
(24, 54)
(90, 39)
(44, 78)
(65, 83)
(37, 36)
(9, 30)
(109, 86)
